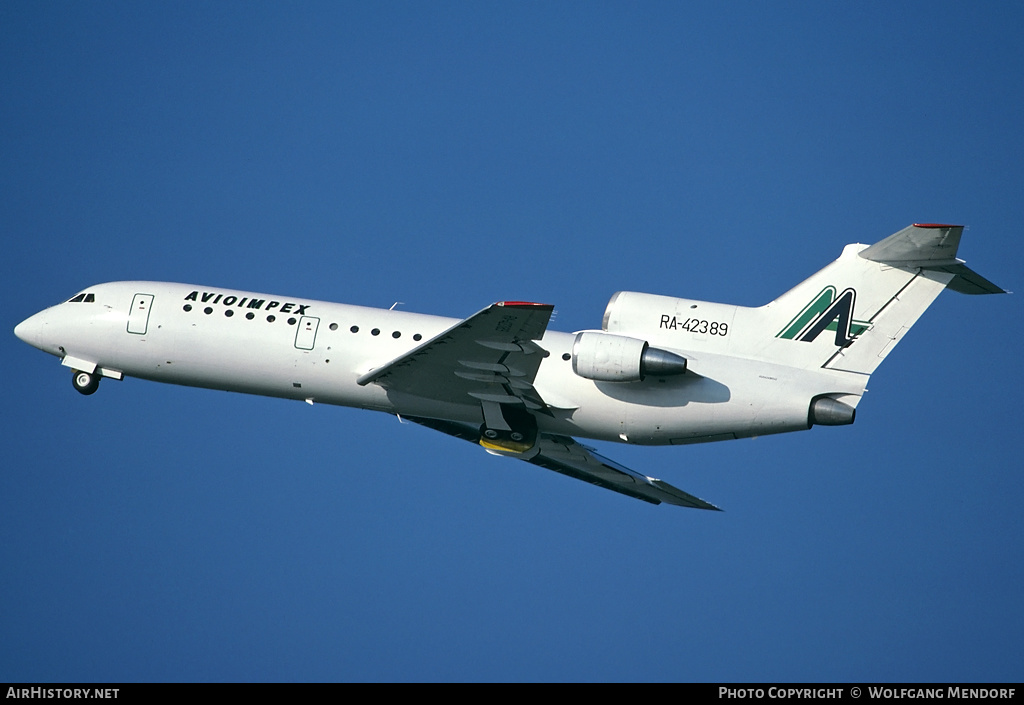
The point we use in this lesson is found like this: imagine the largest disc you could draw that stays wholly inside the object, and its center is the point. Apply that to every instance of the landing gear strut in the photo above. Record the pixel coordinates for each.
(85, 382)
(519, 434)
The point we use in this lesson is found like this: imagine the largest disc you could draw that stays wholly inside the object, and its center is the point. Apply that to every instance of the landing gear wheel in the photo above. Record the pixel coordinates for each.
(520, 437)
(85, 382)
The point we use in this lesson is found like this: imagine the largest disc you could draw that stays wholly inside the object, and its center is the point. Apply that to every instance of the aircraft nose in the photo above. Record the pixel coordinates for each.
(29, 330)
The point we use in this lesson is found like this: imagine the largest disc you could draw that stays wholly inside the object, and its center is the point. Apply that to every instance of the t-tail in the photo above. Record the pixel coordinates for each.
(851, 314)
(837, 326)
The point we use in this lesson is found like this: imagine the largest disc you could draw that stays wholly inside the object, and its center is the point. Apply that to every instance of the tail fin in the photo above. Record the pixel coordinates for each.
(852, 313)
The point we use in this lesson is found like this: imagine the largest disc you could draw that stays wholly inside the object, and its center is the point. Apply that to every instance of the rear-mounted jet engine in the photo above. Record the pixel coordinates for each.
(617, 358)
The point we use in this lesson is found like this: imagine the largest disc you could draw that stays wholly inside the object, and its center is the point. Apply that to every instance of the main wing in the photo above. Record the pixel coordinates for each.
(490, 357)
(564, 455)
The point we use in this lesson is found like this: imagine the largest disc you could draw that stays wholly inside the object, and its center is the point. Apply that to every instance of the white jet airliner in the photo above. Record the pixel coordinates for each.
(660, 370)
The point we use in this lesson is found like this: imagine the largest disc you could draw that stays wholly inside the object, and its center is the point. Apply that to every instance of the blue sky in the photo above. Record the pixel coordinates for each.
(448, 155)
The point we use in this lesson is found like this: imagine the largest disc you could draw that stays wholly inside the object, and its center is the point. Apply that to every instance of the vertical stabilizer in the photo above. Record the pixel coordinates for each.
(851, 314)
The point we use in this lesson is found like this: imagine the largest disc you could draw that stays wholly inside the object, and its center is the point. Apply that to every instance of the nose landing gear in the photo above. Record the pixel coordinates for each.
(85, 382)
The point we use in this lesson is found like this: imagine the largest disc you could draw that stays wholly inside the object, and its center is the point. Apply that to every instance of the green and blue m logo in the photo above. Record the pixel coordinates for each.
(826, 311)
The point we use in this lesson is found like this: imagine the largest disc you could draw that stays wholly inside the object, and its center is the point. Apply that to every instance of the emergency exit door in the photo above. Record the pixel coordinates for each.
(138, 317)
(305, 336)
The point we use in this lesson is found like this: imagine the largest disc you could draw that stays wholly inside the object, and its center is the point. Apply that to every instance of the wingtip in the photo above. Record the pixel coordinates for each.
(708, 506)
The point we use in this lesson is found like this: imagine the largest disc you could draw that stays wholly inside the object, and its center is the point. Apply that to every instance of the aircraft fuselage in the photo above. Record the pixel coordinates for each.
(315, 351)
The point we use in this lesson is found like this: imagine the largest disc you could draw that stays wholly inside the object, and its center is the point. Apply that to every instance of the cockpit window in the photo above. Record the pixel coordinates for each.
(86, 298)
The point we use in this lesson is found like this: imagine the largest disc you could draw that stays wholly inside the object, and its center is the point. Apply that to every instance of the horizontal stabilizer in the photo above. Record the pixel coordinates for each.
(933, 247)
(917, 243)
(967, 281)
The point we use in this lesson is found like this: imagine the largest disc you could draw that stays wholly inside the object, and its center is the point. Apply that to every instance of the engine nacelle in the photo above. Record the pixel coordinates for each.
(617, 358)
(826, 411)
